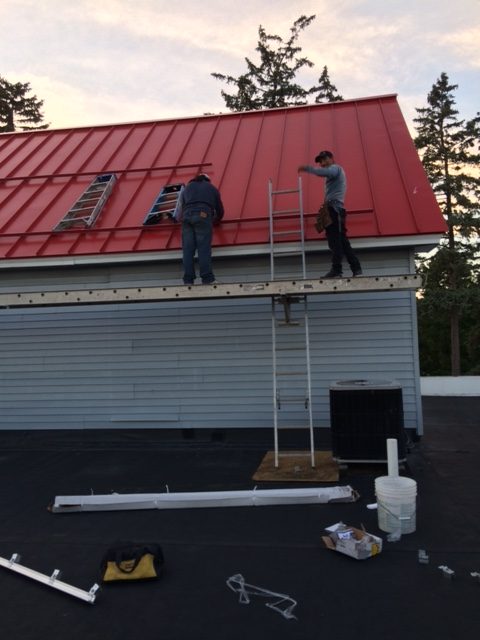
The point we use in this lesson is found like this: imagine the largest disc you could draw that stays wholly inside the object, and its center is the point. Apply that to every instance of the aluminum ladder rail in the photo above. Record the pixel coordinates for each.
(297, 215)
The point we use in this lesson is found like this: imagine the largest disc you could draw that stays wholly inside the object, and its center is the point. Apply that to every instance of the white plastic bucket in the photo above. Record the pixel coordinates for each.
(396, 503)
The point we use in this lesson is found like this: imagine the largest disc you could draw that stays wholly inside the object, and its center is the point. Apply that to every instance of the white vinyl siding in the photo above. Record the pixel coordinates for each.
(202, 364)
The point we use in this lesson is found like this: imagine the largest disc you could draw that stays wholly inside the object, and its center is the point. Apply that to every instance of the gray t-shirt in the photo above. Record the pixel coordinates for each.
(335, 183)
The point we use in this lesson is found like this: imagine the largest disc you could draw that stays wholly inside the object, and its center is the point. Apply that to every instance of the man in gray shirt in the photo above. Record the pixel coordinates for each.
(335, 187)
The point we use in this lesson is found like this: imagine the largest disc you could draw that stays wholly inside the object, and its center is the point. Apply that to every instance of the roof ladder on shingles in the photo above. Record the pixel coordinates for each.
(165, 205)
(290, 339)
(90, 204)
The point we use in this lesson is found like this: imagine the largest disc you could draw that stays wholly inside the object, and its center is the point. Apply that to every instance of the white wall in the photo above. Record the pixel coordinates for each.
(450, 386)
(197, 363)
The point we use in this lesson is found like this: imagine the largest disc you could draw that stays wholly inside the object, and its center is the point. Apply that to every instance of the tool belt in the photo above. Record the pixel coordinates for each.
(323, 219)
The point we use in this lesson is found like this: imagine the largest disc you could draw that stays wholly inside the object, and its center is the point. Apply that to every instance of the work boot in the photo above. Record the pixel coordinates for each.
(333, 273)
(357, 272)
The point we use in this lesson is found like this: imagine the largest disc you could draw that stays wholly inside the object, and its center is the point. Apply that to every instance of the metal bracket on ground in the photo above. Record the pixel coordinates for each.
(447, 572)
(282, 603)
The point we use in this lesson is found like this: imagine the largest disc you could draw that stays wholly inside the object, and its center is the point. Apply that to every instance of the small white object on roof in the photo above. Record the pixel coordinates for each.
(447, 572)
(199, 499)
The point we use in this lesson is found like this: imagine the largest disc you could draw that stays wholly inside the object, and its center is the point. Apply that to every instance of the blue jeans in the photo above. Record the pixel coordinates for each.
(197, 237)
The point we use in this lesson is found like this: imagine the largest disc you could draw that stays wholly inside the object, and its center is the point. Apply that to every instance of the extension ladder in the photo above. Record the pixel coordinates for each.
(290, 338)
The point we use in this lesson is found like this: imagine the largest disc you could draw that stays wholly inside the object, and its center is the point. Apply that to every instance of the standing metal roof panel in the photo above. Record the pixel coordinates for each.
(42, 173)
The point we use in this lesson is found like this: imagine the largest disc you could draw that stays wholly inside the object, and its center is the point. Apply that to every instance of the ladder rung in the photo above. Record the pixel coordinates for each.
(292, 426)
(158, 207)
(97, 189)
(71, 223)
(287, 253)
(97, 186)
(294, 454)
(72, 215)
(286, 233)
(77, 209)
(285, 212)
(291, 373)
(89, 198)
(275, 193)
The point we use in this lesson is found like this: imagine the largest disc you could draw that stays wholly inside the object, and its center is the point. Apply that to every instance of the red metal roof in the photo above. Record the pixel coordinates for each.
(42, 173)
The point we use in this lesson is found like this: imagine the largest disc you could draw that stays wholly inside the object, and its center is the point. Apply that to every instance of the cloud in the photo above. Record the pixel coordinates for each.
(118, 61)
(465, 45)
(165, 25)
(67, 106)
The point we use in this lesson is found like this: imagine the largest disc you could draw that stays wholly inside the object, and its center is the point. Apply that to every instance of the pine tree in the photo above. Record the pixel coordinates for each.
(271, 83)
(17, 110)
(451, 157)
(325, 90)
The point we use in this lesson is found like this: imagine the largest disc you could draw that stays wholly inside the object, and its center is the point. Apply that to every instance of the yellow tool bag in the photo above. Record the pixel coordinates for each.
(128, 561)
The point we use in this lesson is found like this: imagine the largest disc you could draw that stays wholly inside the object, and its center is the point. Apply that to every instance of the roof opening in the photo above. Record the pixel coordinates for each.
(165, 205)
(89, 205)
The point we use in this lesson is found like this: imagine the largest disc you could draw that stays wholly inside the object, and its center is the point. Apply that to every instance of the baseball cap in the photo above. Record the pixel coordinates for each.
(323, 154)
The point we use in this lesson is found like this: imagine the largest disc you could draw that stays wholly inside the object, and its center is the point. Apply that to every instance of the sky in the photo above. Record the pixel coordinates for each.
(114, 61)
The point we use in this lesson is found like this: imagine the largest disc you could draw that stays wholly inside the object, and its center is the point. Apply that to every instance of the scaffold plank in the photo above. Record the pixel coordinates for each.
(213, 291)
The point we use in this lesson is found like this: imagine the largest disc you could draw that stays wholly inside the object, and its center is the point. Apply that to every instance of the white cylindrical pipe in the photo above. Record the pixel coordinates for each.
(392, 456)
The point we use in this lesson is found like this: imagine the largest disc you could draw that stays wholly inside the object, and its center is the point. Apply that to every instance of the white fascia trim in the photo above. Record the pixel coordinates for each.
(418, 243)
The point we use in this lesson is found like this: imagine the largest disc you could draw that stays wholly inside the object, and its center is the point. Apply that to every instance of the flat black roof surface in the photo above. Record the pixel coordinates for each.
(276, 547)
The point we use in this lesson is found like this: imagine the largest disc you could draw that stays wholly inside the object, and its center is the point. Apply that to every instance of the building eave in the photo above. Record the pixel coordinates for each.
(418, 243)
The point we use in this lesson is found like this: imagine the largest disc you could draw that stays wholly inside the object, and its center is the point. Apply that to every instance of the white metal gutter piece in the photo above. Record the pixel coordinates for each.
(50, 581)
(202, 499)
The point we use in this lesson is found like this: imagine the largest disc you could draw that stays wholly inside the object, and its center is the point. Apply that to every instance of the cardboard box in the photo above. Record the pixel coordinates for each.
(353, 542)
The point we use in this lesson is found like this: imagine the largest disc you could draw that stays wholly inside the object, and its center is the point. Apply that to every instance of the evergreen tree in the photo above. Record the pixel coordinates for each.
(271, 83)
(326, 91)
(451, 157)
(17, 110)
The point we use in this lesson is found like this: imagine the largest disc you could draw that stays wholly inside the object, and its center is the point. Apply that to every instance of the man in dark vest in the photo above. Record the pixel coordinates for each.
(335, 187)
(200, 207)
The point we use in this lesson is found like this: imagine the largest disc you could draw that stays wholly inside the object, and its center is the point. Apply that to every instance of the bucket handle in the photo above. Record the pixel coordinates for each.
(399, 518)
